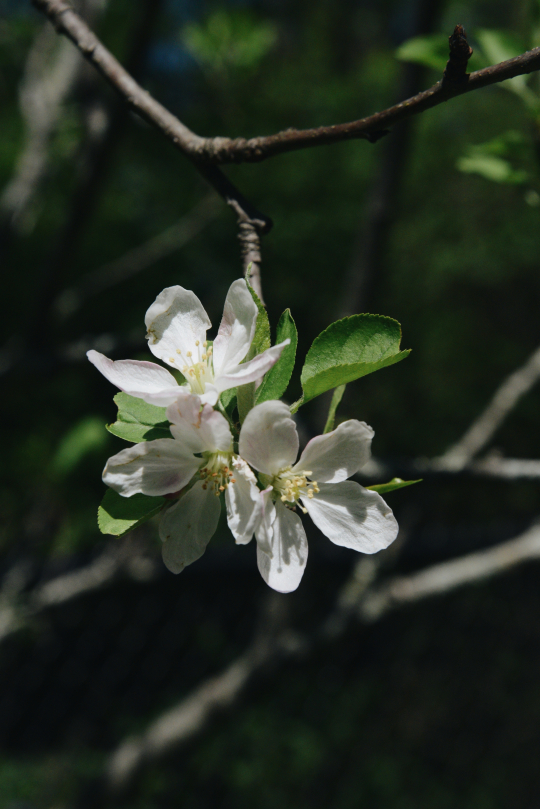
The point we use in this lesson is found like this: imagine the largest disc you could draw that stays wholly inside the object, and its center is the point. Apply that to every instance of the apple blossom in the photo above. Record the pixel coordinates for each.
(348, 514)
(177, 325)
(199, 455)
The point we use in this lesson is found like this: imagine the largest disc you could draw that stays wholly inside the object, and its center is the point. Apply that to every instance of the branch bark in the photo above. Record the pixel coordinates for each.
(241, 150)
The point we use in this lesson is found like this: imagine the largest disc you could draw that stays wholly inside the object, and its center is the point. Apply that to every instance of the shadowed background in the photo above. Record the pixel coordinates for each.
(436, 704)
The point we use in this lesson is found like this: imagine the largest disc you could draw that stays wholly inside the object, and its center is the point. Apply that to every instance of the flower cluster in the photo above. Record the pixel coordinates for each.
(264, 486)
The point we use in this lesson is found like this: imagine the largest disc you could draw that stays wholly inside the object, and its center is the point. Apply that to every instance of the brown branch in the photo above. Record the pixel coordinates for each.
(67, 21)
(242, 150)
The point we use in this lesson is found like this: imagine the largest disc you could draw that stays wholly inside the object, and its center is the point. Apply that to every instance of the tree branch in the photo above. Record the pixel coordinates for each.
(484, 427)
(241, 150)
(67, 21)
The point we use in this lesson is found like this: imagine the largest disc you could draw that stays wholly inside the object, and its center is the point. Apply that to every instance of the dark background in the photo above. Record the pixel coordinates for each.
(435, 705)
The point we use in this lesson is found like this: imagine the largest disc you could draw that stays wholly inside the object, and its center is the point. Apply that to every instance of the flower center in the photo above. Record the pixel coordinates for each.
(197, 370)
(216, 473)
(289, 486)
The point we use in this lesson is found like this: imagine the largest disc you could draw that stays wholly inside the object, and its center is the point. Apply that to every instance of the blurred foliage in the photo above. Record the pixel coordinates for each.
(459, 272)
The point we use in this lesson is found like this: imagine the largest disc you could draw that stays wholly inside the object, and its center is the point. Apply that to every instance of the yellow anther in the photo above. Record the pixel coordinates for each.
(178, 351)
(233, 480)
(205, 343)
(197, 342)
(205, 356)
(171, 359)
(188, 353)
(222, 488)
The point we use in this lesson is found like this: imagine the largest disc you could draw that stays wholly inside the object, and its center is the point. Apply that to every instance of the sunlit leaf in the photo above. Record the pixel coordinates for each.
(395, 483)
(347, 350)
(138, 420)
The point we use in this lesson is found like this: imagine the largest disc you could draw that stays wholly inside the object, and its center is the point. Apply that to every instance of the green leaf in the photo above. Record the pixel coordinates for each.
(498, 46)
(245, 394)
(139, 421)
(395, 483)
(84, 438)
(334, 404)
(117, 515)
(492, 159)
(261, 338)
(228, 401)
(428, 51)
(493, 168)
(277, 379)
(347, 350)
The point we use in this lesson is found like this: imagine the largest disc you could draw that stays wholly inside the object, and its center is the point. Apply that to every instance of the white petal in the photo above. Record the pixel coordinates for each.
(236, 329)
(175, 321)
(336, 456)
(352, 516)
(283, 568)
(268, 438)
(251, 370)
(155, 468)
(187, 527)
(132, 375)
(203, 430)
(244, 503)
(210, 395)
(164, 398)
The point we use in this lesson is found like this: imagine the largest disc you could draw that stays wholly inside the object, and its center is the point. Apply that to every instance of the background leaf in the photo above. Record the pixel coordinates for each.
(349, 349)
(117, 515)
(277, 379)
(138, 421)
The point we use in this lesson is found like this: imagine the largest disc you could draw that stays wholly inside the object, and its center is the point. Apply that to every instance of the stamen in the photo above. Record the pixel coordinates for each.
(197, 342)
(188, 354)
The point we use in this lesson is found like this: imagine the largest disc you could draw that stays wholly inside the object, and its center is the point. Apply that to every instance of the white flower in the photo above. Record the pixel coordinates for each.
(201, 448)
(344, 511)
(177, 325)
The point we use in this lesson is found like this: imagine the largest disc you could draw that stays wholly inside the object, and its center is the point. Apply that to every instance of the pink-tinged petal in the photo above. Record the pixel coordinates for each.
(154, 468)
(251, 370)
(132, 375)
(283, 568)
(175, 321)
(236, 329)
(202, 430)
(268, 438)
(352, 516)
(187, 527)
(336, 456)
(244, 503)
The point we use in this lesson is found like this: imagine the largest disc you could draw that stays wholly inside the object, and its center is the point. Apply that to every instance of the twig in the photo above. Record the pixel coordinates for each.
(448, 576)
(241, 150)
(44, 88)
(67, 21)
(16, 609)
(485, 426)
(455, 71)
(357, 598)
